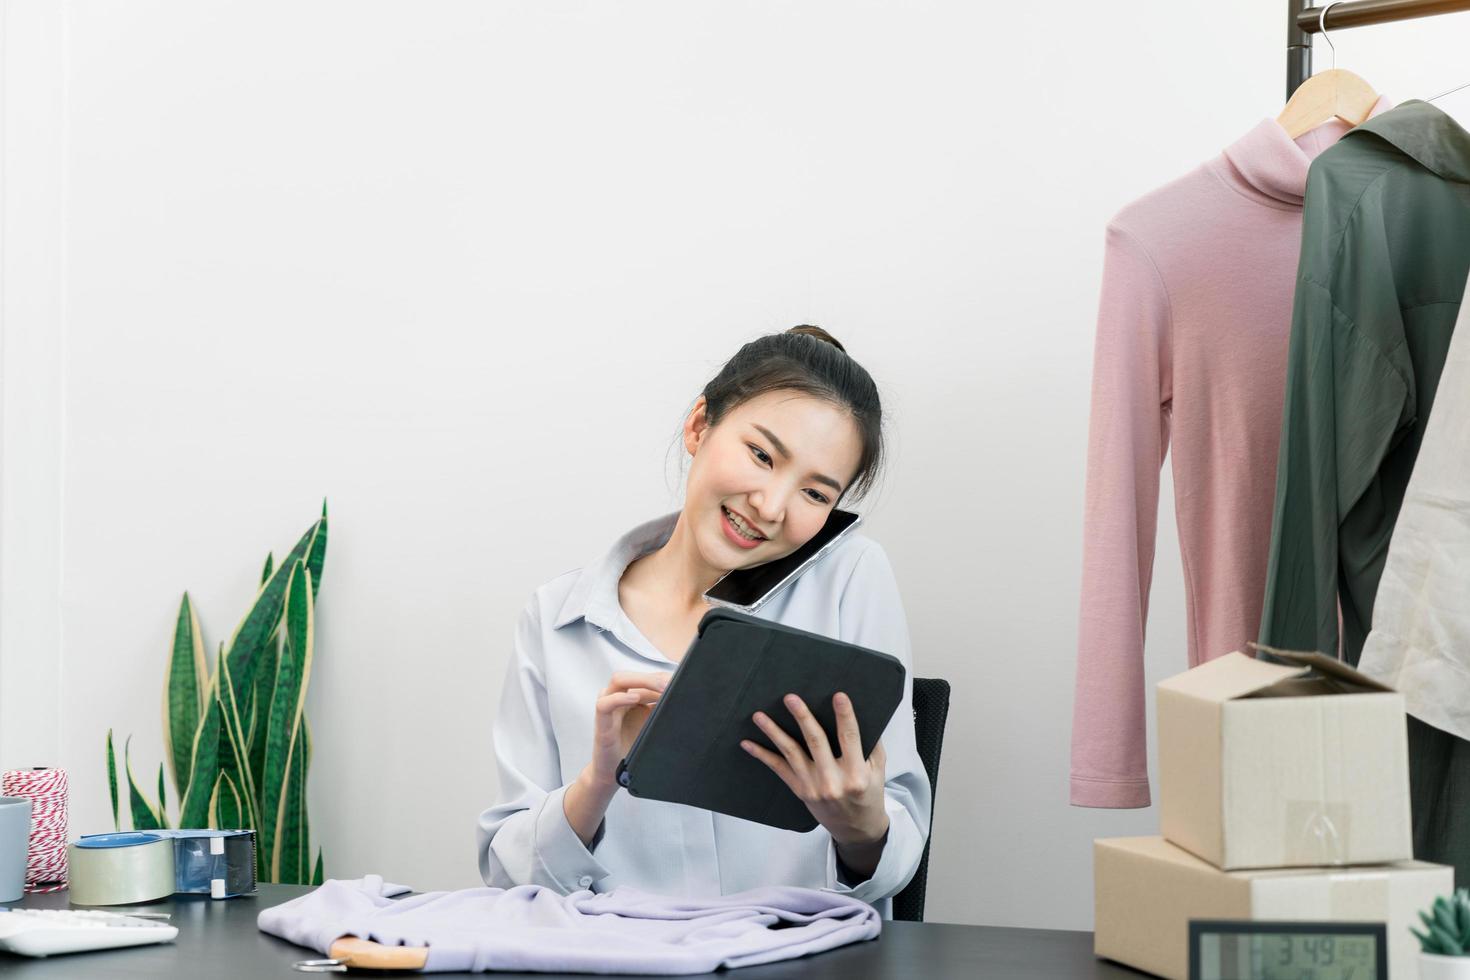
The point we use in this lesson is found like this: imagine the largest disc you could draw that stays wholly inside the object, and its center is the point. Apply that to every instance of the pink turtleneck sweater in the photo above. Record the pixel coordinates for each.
(1192, 333)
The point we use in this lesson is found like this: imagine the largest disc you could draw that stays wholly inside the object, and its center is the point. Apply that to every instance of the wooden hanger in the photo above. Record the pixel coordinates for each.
(366, 954)
(350, 952)
(1332, 94)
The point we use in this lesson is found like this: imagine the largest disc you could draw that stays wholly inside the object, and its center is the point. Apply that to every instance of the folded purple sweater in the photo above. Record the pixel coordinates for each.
(533, 928)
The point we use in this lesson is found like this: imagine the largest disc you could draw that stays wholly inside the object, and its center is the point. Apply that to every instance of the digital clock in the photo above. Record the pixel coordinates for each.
(1234, 949)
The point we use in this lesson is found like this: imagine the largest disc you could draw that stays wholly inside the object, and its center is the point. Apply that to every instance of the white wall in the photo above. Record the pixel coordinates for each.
(461, 266)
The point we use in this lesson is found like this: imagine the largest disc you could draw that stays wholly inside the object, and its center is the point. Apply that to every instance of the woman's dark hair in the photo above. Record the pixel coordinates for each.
(809, 360)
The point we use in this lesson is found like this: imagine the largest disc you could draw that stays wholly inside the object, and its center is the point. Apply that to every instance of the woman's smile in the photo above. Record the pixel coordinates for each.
(733, 532)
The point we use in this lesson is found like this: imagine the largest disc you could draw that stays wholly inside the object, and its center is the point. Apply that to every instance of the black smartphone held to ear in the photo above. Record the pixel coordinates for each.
(747, 589)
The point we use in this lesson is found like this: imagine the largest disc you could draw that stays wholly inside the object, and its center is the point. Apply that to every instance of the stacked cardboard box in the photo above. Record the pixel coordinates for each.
(1284, 794)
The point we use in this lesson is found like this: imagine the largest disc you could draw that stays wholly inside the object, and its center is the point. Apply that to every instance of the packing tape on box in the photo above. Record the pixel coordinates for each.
(1317, 831)
(121, 869)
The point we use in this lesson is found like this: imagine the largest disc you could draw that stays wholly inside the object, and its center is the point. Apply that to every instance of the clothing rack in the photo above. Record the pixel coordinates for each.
(1302, 21)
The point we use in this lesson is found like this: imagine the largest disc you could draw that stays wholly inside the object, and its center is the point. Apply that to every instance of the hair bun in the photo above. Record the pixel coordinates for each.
(817, 332)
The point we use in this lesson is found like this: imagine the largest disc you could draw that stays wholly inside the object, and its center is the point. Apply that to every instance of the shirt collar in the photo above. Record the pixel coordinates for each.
(1272, 164)
(594, 596)
(1427, 134)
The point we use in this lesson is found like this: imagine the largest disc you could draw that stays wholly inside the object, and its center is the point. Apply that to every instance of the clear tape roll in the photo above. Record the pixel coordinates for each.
(121, 869)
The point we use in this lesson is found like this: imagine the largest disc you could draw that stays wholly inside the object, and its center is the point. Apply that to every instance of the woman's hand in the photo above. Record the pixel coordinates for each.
(844, 793)
(622, 708)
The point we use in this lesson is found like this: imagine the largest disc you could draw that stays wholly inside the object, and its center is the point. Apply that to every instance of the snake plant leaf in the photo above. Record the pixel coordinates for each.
(316, 557)
(253, 631)
(265, 674)
(293, 672)
(296, 832)
(237, 761)
(290, 839)
(305, 822)
(204, 763)
(265, 685)
(250, 725)
(162, 800)
(145, 814)
(226, 811)
(255, 752)
(292, 835)
(246, 704)
(112, 779)
(184, 680)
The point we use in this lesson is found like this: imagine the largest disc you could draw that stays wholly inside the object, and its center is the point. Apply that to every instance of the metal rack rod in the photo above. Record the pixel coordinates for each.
(1303, 21)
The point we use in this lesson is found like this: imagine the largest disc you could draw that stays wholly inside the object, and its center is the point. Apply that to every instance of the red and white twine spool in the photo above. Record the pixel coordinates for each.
(46, 856)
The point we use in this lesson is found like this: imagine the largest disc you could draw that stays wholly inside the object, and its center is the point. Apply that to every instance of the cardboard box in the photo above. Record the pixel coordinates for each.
(1265, 765)
(1146, 891)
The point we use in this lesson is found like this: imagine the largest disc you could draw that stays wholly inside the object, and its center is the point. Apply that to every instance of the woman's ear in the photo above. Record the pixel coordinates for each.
(696, 425)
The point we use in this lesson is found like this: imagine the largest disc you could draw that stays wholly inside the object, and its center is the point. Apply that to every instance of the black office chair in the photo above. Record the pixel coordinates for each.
(931, 710)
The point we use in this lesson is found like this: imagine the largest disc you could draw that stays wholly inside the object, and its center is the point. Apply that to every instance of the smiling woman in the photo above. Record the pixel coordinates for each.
(789, 427)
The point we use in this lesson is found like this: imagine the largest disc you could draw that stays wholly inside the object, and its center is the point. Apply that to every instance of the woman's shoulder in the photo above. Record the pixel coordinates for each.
(856, 562)
(544, 612)
(851, 594)
(854, 550)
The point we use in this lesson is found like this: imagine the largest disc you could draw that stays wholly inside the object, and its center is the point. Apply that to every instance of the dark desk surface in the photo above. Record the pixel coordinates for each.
(219, 939)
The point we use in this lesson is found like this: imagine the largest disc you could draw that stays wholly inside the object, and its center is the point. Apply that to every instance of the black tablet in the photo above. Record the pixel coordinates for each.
(689, 749)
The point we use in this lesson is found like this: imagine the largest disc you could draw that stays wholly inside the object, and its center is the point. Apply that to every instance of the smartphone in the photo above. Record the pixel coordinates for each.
(747, 589)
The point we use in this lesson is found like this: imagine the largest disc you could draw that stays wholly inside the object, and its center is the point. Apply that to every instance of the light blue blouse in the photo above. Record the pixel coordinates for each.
(570, 639)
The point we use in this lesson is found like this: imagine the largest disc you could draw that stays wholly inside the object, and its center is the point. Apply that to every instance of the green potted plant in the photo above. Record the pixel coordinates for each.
(236, 738)
(1445, 943)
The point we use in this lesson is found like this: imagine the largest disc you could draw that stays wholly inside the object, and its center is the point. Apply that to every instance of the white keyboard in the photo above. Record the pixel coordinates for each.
(45, 932)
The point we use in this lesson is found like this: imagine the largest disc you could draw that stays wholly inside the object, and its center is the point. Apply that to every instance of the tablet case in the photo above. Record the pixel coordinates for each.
(689, 749)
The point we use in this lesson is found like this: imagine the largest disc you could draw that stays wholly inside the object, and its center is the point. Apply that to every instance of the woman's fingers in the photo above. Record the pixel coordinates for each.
(811, 729)
(775, 763)
(620, 701)
(624, 680)
(788, 746)
(849, 736)
(610, 711)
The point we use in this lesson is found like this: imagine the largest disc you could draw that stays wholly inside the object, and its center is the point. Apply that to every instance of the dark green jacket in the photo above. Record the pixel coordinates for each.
(1385, 251)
